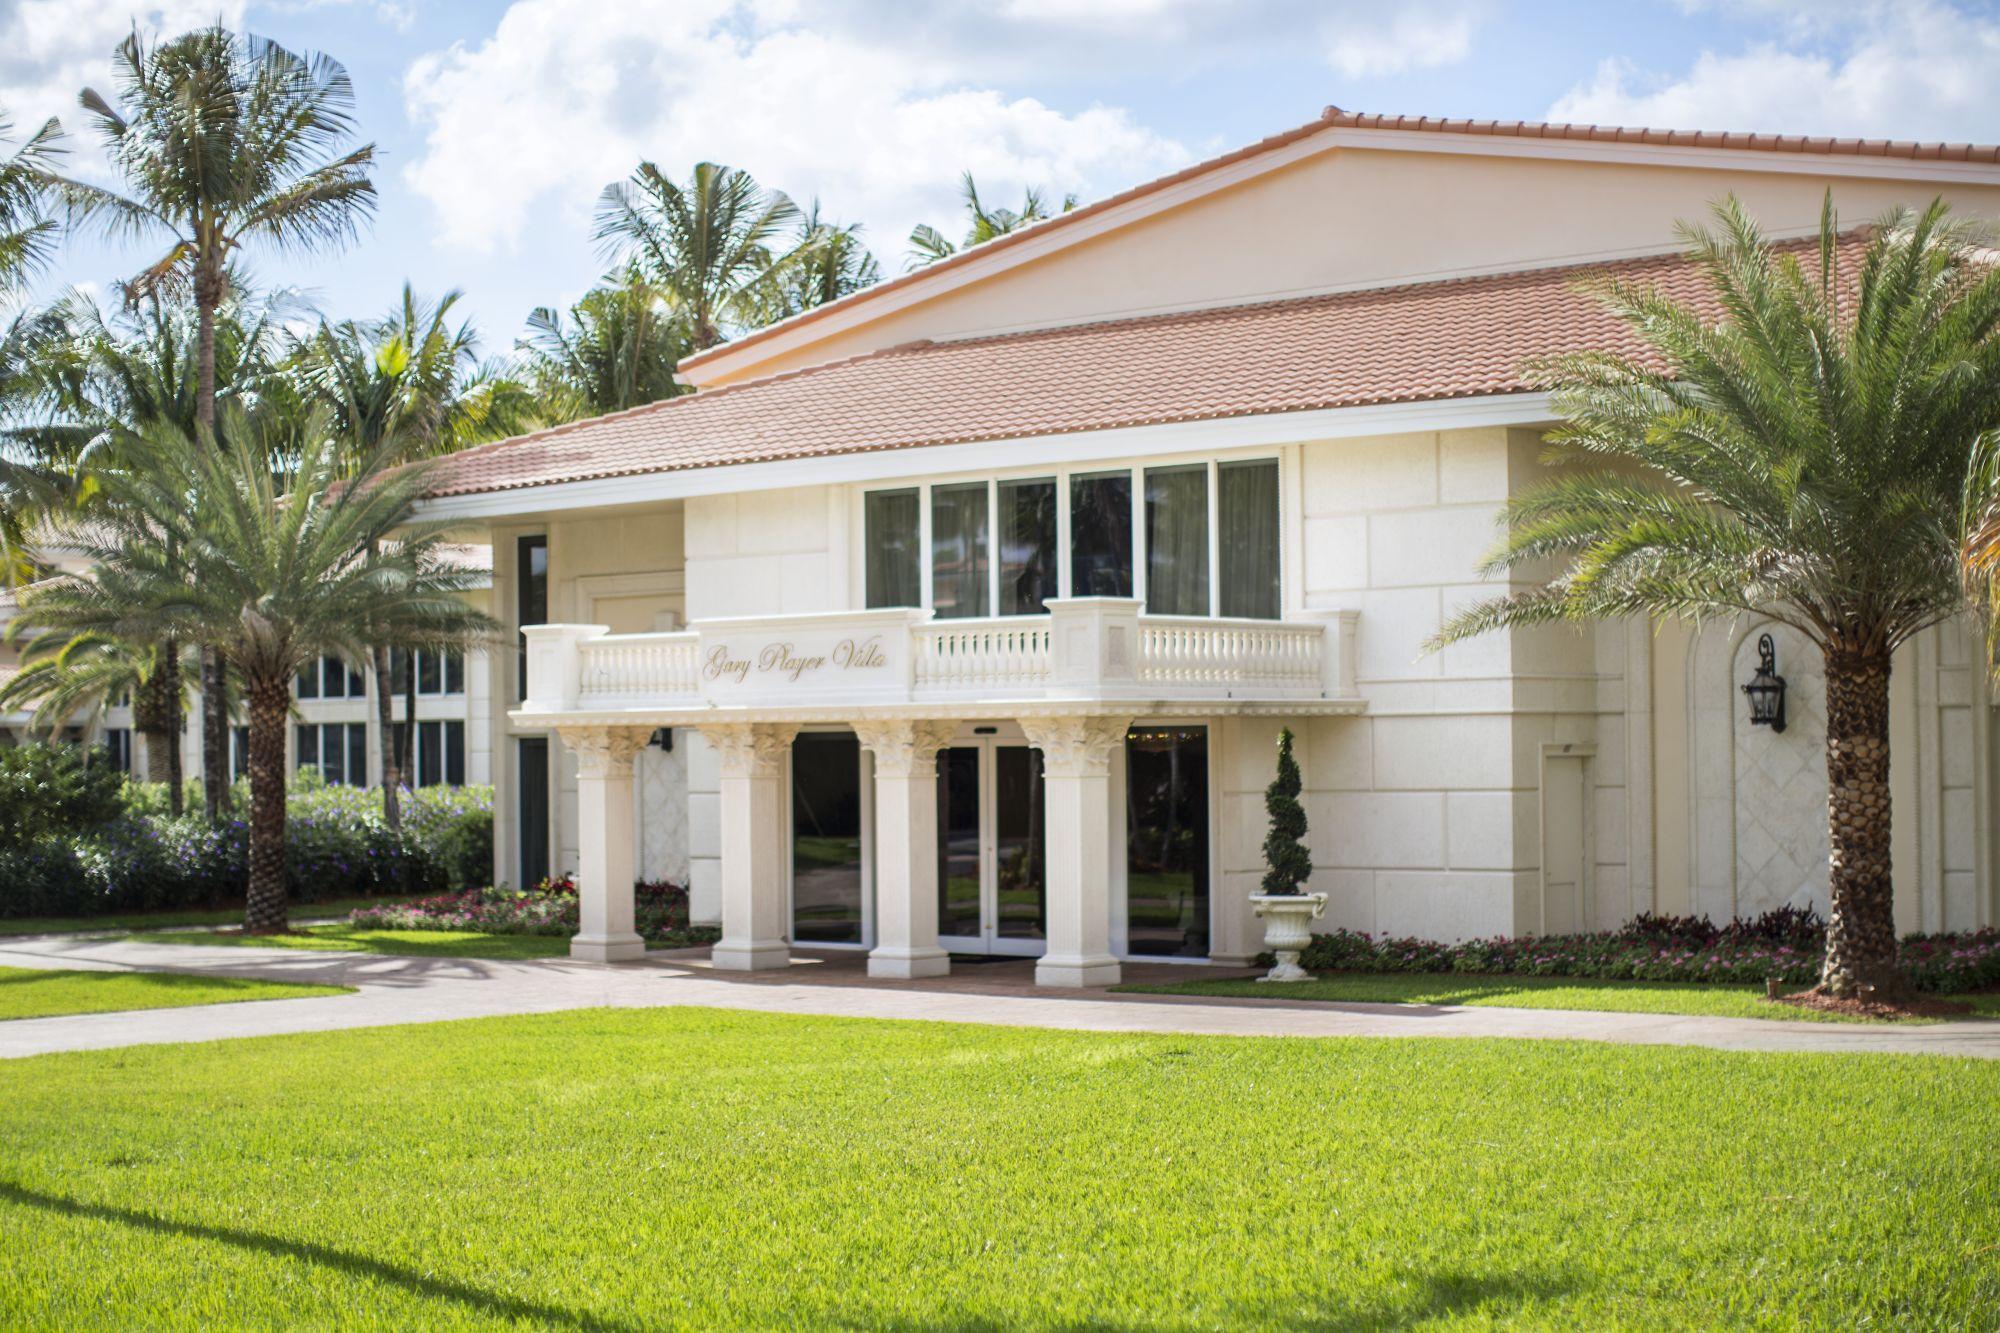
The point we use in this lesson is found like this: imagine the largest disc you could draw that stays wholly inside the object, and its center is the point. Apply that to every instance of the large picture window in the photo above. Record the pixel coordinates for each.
(1177, 540)
(1247, 517)
(531, 596)
(1100, 535)
(1188, 539)
(895, 553)
(338, 750)
(1027, 545)
(958, 550)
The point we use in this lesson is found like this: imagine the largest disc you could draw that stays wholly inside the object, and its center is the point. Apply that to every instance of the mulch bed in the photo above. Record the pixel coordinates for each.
(1910, 1006)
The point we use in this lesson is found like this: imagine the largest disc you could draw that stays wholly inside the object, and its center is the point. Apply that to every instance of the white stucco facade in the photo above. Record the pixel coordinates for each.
(1520, 783)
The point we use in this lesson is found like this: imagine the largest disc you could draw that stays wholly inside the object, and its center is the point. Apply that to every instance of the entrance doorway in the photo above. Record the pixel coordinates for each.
(992, 874)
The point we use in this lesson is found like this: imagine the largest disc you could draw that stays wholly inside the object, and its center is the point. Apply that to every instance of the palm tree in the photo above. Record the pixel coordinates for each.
(66, 674)
(828, 262)
(928, 244)
(27, 182)
(617, 348)
(707, 244)
(223, 141)
(277, 568)
(409, 385)
(1804, 457)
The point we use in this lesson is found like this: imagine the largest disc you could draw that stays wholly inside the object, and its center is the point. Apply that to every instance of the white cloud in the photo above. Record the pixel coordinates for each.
(51, 49)
(875, 109)
(1911, 70)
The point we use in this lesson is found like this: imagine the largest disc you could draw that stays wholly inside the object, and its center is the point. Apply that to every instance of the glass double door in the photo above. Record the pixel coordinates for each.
(992, 874)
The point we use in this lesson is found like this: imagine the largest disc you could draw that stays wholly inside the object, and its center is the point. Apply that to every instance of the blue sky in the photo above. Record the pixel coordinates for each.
(497, 123)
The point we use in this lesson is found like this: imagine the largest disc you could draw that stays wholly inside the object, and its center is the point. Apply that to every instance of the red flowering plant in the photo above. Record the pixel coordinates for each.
(549, 908)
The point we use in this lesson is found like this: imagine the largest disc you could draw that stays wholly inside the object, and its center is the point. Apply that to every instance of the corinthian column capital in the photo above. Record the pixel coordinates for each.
(904, 748)
(751, 749)
(1076, 747)
(605, 752)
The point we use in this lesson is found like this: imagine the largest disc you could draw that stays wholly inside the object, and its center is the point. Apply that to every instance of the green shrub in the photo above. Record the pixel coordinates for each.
(336, 846)
(48, 791)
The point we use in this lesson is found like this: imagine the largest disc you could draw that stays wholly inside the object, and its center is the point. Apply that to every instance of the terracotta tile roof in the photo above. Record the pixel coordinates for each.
(1335, 118)
(1429, 341)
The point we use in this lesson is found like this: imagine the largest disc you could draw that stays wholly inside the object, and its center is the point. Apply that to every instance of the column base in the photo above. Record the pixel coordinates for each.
(607, 948)
(750, 955)
(1080, 970)
(908, 964)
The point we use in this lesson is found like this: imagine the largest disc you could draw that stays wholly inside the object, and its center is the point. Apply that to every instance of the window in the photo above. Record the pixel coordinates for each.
(437, 673)
(1189, 539)
(1027, 546)
(958, 550)
(531, 595)
(894, 556)
(1247, 518)
(118, 748)
(239, 753)
(330, 678)
(440, 756)
(1177, 540)
(338, 750)
(1100, 535)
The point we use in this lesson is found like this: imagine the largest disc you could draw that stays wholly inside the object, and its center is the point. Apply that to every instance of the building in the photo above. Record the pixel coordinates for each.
(961, 615)
(332, 728)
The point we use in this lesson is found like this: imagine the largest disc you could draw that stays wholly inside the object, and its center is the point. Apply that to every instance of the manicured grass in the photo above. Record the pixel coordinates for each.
(693, 1168)
(221, 916)
(27, 992)
(1634, 997)
(362, 939)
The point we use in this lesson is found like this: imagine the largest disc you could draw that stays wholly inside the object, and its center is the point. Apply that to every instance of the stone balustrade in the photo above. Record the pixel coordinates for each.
(1085, 649)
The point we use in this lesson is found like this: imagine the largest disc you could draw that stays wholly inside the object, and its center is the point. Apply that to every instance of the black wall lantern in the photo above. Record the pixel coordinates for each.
(1767, 688)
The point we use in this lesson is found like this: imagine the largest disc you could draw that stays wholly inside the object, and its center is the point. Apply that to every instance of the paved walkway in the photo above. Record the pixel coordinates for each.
(429, 990)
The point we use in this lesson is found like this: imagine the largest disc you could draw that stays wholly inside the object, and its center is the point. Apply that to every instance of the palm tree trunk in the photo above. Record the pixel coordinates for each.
(208, 291)
(264, 909)
(170, 677)
(1861, 926)
(385, 726)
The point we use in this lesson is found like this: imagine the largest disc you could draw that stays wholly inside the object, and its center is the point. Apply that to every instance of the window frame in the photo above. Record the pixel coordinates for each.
(1061, 474)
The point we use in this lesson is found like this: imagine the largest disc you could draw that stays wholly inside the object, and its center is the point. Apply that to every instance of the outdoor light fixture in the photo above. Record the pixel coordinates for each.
(1767, 688)
(664, 738)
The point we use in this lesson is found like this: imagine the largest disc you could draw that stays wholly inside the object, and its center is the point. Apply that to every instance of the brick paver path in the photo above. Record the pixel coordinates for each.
(429, 990)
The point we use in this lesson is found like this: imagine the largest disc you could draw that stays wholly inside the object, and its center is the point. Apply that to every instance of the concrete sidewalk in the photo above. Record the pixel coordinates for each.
(429, 990)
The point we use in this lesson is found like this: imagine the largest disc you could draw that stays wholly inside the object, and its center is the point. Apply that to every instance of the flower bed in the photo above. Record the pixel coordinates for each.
(1785, 945)
(550, 908)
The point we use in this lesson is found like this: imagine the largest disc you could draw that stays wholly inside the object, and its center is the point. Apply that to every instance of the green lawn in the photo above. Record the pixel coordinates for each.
(1635, 997)
(223, 916)
(633, 1169)
(28, 992)
(428, 943)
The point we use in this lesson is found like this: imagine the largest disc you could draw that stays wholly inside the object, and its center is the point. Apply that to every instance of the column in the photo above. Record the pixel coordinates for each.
(755, 844)
(604, 871)
(1076, 777)
(906, 850)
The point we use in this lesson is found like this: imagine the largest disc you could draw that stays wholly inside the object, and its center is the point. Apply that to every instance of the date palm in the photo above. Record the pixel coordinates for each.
(710, 245)
(618, 347)
(1805, 457)
(28, 184)
(278, 567)
(64, 675)
(224, 141)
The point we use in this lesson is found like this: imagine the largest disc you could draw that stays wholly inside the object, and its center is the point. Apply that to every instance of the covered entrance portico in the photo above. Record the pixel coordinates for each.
(992, 748)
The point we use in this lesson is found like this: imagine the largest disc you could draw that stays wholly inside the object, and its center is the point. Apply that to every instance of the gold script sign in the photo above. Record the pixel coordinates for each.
(783, 659)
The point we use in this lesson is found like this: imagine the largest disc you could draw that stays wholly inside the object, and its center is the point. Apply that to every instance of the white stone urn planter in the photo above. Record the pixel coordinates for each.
(1287, 921)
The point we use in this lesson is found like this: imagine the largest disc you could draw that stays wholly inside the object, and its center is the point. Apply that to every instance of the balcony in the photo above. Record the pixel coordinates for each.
(1086, 650)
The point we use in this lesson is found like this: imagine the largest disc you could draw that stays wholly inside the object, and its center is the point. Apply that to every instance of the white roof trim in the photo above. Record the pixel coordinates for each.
(1511, 409)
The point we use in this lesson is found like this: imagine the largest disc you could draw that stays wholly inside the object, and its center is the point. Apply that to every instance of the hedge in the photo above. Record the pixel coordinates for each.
(1786, 945)
(336, 846)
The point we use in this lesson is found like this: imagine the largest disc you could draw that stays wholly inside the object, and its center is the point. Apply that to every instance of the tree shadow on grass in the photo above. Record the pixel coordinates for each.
(492, 1304)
